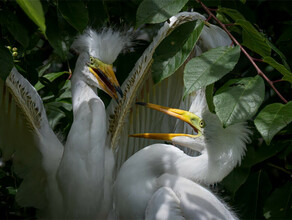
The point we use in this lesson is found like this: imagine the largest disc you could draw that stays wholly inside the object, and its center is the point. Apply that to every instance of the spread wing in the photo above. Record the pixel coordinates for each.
(26, 137)
(127, 118)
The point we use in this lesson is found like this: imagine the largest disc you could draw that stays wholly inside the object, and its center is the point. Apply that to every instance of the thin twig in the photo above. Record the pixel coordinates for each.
(279, 80)
(259, 71)
(280, 168)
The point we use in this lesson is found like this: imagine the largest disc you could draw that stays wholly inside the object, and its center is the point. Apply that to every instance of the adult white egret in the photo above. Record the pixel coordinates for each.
(73, 181)
(168, 180)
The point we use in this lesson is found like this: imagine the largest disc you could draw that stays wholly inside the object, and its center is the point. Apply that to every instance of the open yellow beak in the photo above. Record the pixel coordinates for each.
(106, 77)
(193, 120)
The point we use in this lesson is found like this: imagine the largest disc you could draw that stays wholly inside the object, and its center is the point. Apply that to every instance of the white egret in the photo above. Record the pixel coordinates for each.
(168, 180)
(126, 118)
(73, 181)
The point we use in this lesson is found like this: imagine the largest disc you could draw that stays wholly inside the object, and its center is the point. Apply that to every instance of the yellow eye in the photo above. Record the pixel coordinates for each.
(202, 124)
(91, 59)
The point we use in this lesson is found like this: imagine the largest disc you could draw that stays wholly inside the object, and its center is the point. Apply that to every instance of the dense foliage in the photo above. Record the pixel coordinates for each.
(36, 38)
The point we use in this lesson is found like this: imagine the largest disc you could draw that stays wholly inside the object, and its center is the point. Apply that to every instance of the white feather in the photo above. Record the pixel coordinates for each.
(105, 45)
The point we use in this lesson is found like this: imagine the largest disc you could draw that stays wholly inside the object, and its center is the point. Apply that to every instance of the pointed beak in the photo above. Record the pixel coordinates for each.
(106, 77)
(193, 120)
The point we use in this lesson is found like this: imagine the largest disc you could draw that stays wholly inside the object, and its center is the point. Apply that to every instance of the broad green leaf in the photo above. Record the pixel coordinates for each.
(255, 155)
(282, 56)
(174, 50)
(34, 11)
(50, 77)
(253, 192)
(209, 97)
(59, 33)
(272, 119)
(55, 112)
(253, 39)
(17, 30)
(287, 75)
(6, 62)
(235, 179)
(156, 11)
(232, 13)
(279, 203)
(74, 13)
(239, 99)
(209, 67)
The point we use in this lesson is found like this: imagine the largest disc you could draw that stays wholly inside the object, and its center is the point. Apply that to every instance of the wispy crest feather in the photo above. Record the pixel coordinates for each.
(104, 45)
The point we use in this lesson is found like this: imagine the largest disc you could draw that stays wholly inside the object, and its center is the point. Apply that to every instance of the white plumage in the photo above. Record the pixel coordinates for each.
(164, 173)
(73, 181)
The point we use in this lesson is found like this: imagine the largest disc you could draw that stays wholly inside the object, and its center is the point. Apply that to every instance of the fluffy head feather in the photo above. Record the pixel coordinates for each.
(104, 45)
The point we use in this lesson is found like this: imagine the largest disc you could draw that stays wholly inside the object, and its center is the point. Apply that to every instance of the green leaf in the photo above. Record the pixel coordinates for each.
(60, 34)
(279, 203)
(232, 13)
(281, 68)
(18, 31)
(257, 187)
(6, 62)
(209, 67)
(239, 99)
(34, 11)
(253, 39)
(272, 119)
(175, 49)
(209, 97)
(156, 11)
(74, 13)
(51, 77)
(235, 179)
(281, 55)
(55, 112)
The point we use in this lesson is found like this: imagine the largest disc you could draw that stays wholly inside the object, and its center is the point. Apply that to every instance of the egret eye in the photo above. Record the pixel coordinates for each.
(202, 124)
(91, 59)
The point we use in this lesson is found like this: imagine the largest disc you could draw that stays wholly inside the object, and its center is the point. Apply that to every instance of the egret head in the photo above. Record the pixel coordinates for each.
(99, 50)
(105, 76)
(187, 140)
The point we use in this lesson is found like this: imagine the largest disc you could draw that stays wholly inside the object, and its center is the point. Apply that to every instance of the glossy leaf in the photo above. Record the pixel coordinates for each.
(232, 13)
(50, 77)
(287, 75)
(209, 67)
(236, 179)
(34, 11)
(209, 97)
(253, 39)
(253, 192)
(281, 55)
(18, 31)
(174, 50)
(239, 99)
(58, 34)
(279, 204)
(6, 62)
(272, 119)
(74, 13)
(156, 11)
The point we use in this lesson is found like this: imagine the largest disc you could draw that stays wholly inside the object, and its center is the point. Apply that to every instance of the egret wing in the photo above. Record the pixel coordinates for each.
(181, 198)
(127, 118)
(25, 135)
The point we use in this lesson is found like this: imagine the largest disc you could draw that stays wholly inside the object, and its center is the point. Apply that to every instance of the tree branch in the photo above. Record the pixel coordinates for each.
(259, 71)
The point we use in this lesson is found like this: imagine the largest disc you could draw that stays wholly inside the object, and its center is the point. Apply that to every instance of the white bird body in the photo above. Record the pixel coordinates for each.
(156, 171)
(74, 181)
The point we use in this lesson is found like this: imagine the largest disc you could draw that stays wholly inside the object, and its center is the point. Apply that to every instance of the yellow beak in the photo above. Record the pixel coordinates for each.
(193, 120)
(106, 77)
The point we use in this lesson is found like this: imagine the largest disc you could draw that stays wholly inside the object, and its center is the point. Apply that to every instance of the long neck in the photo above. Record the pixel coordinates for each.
(81, 90)
(206, 168)
(224, 149)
